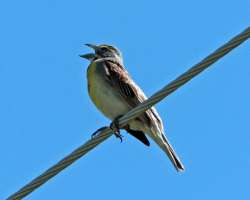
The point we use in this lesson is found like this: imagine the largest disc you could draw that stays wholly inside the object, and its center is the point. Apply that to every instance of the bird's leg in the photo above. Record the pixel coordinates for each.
(98, 131)
(115, 127)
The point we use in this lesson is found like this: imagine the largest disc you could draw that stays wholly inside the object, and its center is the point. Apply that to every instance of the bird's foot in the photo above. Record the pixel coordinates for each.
(115, 127)
(98, 131)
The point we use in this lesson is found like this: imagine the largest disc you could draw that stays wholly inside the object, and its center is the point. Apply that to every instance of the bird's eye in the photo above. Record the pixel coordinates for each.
(104, 49)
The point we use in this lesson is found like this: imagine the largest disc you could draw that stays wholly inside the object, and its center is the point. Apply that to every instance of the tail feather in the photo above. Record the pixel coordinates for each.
(168, 149)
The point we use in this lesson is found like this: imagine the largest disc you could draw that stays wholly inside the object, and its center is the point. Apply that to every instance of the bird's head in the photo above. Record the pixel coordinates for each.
(103, 51)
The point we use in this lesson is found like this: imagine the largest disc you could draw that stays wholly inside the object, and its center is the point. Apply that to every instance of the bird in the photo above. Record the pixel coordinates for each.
(114, 93)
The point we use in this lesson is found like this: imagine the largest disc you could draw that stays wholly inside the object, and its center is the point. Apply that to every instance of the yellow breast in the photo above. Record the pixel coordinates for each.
(92, 83)
(103, 95)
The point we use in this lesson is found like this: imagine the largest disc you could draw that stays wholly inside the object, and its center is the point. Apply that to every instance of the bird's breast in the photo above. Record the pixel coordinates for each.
(104, 96)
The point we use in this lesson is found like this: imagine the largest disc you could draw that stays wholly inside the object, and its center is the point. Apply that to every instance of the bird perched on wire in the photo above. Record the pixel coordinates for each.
(114, 93)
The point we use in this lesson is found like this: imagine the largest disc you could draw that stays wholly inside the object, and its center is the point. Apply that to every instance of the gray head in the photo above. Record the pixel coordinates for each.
(103, 51)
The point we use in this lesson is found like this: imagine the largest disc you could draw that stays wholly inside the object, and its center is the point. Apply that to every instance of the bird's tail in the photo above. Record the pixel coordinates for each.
(168, 149)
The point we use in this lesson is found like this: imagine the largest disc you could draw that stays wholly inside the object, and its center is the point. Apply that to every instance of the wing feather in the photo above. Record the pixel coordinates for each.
(130, 92)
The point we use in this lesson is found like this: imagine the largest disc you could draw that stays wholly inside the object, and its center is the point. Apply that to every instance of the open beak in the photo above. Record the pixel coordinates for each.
(90, 56)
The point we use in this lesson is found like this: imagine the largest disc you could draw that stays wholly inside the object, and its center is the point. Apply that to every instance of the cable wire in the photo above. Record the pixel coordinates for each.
(106, 132)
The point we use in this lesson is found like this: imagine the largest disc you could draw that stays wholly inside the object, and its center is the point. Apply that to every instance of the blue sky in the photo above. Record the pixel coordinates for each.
(46, 111)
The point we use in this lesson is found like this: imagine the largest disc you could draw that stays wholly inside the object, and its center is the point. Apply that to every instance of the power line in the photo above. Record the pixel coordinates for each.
(106, 132)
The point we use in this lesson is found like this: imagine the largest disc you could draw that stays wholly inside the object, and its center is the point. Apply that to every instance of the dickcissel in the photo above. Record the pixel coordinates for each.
(114, 93)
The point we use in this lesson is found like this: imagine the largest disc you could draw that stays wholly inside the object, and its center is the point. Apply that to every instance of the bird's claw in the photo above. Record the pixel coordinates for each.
(97, 132)
(115, 127)
(119, 135)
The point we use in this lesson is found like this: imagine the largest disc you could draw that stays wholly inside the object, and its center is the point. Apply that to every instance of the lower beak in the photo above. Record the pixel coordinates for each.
(88, 56)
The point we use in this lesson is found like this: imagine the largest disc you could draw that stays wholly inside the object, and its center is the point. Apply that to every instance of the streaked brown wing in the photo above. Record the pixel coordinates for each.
(120, 79)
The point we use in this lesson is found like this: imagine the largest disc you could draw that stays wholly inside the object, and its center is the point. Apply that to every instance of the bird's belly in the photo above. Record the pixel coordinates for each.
(105, 98)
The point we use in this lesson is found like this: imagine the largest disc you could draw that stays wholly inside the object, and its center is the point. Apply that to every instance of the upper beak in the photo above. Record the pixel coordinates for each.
(95, 47)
